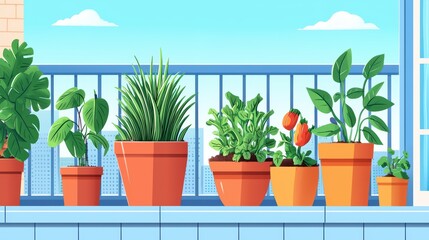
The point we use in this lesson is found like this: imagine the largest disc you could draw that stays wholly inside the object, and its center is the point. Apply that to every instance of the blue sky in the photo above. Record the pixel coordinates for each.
(210, 32)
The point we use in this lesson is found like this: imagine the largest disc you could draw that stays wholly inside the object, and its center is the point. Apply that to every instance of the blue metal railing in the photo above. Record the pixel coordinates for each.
(201, 70)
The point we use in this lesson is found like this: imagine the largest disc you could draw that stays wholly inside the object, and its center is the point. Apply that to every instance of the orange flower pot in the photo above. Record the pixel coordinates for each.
(241, 183)
(392, 191)
(346, 172)
(152, 172)
(10, 181)
(294, 186)
(81, 185)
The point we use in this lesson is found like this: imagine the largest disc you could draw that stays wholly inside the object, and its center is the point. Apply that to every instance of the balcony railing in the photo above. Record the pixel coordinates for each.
(197, 73)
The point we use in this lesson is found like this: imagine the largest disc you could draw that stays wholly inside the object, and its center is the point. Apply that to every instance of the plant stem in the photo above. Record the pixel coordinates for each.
(359, 125)
(343, 104)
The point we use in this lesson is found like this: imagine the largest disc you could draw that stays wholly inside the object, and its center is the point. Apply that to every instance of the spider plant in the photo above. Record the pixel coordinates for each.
(154, 106)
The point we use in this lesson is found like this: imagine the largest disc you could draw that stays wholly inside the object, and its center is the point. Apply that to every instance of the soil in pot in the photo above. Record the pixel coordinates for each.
(81, 185)
(392, 191)
(243, 183)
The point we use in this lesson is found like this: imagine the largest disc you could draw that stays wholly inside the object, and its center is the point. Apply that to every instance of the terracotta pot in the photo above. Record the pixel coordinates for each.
(152, 172)
(294, 186)
(346, 172)
(10, 181)
(241, 183)
(81, 185)
(392, 191)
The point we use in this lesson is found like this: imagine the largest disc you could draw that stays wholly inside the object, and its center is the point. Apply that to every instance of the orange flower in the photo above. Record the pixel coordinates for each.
(302, 134)
(290, 119)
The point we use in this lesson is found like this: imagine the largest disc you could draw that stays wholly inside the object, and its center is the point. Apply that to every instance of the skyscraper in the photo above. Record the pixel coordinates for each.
(189, 184)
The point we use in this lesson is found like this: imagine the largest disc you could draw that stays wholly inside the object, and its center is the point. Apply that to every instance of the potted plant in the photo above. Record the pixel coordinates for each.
(150, 150)
(240, 170)
(346, 165)
(22, 90)
(295, 176)
(81, 183)
(392, 188)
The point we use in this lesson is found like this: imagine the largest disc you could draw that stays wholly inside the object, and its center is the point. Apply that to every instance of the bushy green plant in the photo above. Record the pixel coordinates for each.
(154, 106)
(91, 118)
(22, 90)
(395, 166)
(371, 102)
(242, 130)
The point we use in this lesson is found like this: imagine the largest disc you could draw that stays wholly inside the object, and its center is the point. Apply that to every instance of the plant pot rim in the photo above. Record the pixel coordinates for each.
(326, 143)
(295, 166)
(81, 171)
(124, 141)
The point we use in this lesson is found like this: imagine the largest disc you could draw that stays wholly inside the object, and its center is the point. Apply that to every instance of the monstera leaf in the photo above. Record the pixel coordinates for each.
(71, 98)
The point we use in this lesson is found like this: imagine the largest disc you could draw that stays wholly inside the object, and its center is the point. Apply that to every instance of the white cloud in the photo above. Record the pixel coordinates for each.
(86, 18)
(342, 21)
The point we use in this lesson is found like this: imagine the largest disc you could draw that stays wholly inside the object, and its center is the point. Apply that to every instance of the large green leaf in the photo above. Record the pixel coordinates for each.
(342, 66)
(327, 130)
(99, 140)
(372, 93)
(383, 162)
(377, 104)
(321, 100)
(234, 100)
(349, 116)
(71, 98)
(371, 136)
(378, 123)
(95, 113)
(18, 59)
(59, 131)
(374, 66)
(75, 144)
(18, 147)
(354, 93)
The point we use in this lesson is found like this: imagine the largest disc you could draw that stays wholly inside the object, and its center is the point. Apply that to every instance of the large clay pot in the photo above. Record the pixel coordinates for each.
(153, 173)
(392, 191)
(81, 185)
(294, 185)
(241, 183)
(346, 172)
(10, 181)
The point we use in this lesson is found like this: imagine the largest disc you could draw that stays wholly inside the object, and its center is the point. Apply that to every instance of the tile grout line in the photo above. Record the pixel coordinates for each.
(34, 231)
(159, 223)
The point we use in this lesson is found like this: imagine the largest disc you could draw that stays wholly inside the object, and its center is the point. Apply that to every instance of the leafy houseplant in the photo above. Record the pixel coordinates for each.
(150, 149)
(295, 176)
(22, 90)
(349, 155)
(392, 188)
(81, 184)
(242, 139)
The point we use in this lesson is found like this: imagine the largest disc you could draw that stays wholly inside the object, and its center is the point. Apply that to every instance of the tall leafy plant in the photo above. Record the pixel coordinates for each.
(350, 129)
(23, 90)
(242, 130)
(91, 118)
(154, 106)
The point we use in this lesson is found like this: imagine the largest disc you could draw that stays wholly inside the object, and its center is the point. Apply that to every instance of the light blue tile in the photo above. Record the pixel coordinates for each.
(137, 231)
(177, 231)
(391, 231)
(17, 231)
(377, 214)
(107, 231)
(272, 231)
(198, 214)
(52, 231)
(417, 231)
(313, 231)
(216, 231)
(99, 214)
(2, 214)
(334, 231)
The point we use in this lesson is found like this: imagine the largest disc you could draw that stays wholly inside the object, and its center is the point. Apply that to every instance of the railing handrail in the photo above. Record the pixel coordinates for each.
(209, 69)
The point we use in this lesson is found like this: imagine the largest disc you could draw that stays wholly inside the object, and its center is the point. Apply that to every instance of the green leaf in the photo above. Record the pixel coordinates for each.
(378, 123)
(59, 131)
(297, 161)
(321, 100)
(327, 130)
(337, 96)
(308, 161)
(216, 144)
(354, 93)
(349, 116)
(390, 151)
(383, 162)
(234, 100)
(18, 147)
(400, 174)
(75, 144)
(405, 164)
(342, 66)
(71, 98)
(26, 125)
(261, 156)
(246, 155)
(95, 113)
(374, 66)
(278, 158)
(99, 140)
(371, 136)
(377, 104)
(272, 130)
(372, 93)
(236, 157)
